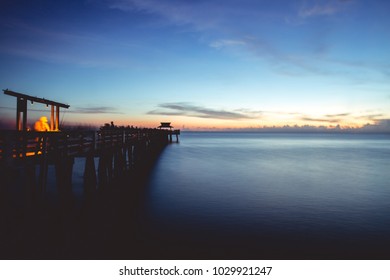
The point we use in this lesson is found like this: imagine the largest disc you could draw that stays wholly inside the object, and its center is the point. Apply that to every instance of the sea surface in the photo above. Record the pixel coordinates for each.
(225, 195)
(269, 195)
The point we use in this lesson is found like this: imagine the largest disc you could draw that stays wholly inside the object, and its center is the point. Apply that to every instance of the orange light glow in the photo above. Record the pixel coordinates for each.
(42, 124)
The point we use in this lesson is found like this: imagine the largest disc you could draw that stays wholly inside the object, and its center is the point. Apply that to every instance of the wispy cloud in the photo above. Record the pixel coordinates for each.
(380, 67)
(372, 117)
(44, 43)
(95, 110)
(219, 44)
(322, 8)
(318, 10)
(338, 115)
(329, 118)
(190, 110)
(175, 12)
(347, 117)
(323, 120)
(56, 56)
(229, 25)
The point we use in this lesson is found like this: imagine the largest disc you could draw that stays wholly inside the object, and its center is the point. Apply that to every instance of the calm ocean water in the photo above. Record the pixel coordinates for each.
(260, 195)
(228, 196)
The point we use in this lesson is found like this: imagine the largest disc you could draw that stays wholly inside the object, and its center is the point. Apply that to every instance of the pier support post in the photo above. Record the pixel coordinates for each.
(64, 171)
(130, 156)
(102, 172)
(44, 164)
(30, 181)
(90, 179)
(118, 162)
(105, 169)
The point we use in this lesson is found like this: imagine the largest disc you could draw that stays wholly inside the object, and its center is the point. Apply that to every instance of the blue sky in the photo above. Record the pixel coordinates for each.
(200, 64)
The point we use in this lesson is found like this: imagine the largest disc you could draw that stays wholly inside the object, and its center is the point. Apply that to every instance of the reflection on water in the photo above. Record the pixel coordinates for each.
(237, 193)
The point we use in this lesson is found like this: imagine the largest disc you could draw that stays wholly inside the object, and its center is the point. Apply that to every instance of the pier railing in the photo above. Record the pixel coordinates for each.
(27, 144)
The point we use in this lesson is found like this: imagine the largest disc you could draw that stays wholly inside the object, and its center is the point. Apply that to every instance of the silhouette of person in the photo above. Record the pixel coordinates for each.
(41, 124)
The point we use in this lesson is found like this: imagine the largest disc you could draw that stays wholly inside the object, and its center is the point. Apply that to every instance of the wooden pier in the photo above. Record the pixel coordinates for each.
(118, 150)
(116, 163)
(94, 224)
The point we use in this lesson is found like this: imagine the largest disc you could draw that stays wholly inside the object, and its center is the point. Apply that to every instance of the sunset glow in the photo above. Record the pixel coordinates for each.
(200, 64)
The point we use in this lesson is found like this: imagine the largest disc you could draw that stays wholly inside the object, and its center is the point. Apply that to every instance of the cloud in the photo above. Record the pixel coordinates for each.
(229, 25)
(384, 123)
(322, 8)
(175, 12)
(338, 115)
(325, 120)
(328, 118)
(374, 120)
(381, 126)
(55, 46)
(372, 117)
(190, 110)
(95, 110)
(251, 111)
(56, 56)
(219, 44)
(283, 62)
(317, 11)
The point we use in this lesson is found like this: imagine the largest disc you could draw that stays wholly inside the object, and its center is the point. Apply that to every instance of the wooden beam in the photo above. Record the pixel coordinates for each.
(35, 99)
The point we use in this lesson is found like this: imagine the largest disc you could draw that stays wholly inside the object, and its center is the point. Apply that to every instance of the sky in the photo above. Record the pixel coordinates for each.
(244, 64)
